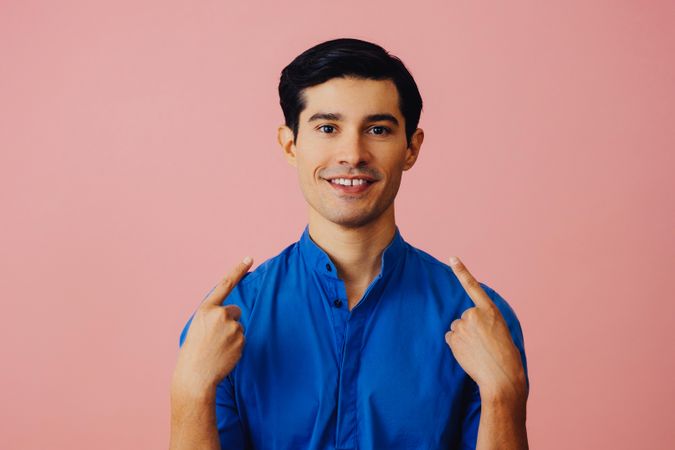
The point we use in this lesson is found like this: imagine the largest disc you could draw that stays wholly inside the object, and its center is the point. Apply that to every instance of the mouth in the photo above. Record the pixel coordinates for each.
(354, 185)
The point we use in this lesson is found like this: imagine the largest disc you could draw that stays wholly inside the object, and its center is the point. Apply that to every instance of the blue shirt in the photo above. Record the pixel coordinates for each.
(314, 375)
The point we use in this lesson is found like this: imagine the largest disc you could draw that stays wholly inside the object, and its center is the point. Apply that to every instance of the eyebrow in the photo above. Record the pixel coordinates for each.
(371, 118)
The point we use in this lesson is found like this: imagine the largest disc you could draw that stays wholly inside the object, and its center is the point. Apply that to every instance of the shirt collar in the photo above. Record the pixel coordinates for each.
(316, 258)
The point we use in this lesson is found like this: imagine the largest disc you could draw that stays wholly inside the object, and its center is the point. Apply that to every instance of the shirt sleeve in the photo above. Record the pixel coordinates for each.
(471, 419)
(228, 423)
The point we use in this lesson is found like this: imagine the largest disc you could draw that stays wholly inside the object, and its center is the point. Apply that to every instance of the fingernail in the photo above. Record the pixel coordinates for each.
(248, 260)
(454, 260)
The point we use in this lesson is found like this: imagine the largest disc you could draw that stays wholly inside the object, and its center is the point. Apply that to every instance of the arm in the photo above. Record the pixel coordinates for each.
(502, 421)
(193, 418)
(211, 346)
(483, 345)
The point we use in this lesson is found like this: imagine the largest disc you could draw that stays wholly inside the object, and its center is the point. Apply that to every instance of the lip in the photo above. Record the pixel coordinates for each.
(353, 177)
(353, 190)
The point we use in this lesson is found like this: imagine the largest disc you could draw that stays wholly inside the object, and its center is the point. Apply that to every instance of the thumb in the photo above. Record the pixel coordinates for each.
(233, 311)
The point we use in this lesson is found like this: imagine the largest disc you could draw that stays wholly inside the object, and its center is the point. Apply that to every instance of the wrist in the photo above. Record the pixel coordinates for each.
(511, 394)
(191, 403)
(192, 388)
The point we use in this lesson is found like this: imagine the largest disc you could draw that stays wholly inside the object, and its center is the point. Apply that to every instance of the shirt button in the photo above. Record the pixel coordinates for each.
(328, 267)
(337, 303)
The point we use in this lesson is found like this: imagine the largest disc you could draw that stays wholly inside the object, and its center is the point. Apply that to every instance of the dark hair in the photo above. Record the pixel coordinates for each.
(341, 58)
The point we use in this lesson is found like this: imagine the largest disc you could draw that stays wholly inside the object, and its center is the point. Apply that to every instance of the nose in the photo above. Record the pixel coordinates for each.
(353, 151)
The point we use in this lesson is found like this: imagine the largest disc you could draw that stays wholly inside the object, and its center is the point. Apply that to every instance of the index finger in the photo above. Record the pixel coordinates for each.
(225, 286)
(470, 284)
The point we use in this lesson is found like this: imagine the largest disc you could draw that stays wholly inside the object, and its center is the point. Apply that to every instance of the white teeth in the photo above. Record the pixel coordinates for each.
(346, 182)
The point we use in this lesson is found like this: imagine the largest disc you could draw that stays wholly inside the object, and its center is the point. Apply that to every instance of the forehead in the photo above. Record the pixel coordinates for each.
(352, 97)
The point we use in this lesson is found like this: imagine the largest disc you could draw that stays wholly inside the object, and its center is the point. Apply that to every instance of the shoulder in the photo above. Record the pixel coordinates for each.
(504, 307)
(443, 271)
(429, 269)
(246, 291)
(512, 323)
(428, 261)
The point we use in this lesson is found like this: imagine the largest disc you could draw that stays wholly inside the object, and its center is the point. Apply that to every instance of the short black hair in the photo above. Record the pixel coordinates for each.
(342, 58)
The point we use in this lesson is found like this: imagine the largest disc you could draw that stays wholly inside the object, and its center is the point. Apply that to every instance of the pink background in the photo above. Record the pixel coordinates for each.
(139, 162)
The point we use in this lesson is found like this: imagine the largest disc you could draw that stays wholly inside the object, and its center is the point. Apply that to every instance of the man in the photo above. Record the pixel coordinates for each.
(353, 337)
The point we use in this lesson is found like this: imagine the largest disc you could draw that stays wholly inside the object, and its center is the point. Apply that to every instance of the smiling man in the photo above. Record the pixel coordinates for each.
(350, 338)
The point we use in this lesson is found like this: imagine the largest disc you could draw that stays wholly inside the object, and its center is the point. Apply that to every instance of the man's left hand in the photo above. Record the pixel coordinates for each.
(481, 343)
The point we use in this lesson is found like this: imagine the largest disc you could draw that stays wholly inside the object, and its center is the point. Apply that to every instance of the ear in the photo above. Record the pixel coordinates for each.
(414, 150)
(285, 139)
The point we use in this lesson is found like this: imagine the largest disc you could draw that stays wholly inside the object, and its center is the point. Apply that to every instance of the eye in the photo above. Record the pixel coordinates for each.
(328, 129)
(381, 130)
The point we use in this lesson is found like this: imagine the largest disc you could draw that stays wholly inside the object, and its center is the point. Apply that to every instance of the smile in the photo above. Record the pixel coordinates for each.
(350, 185)
(348, 182)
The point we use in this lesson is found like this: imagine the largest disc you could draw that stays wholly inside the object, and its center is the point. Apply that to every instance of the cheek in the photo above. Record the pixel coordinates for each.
(308, 168)
(307, 176)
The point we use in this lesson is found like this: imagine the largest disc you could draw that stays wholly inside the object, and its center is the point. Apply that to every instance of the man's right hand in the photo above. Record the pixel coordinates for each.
(214, 342)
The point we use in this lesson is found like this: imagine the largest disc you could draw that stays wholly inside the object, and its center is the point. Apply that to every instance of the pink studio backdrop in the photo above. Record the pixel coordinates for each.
(139, 162)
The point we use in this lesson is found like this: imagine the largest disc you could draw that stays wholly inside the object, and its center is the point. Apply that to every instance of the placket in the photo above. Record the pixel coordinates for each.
(347, 417)
(336, 296)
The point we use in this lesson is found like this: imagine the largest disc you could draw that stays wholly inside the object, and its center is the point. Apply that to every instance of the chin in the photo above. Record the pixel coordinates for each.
(343, 215)
(350, 219)
(351, 223)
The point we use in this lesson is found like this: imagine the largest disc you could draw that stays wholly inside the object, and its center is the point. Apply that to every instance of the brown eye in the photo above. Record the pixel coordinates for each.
(381, 131)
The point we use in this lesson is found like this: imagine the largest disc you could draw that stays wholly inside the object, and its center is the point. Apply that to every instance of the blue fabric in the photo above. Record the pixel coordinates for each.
(314, 375)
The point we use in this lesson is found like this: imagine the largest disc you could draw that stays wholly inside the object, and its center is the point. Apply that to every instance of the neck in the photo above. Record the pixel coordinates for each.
(356, 252)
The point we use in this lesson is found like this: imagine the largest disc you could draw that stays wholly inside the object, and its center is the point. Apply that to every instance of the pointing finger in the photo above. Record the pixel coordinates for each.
(470, 284)
(228, 283)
